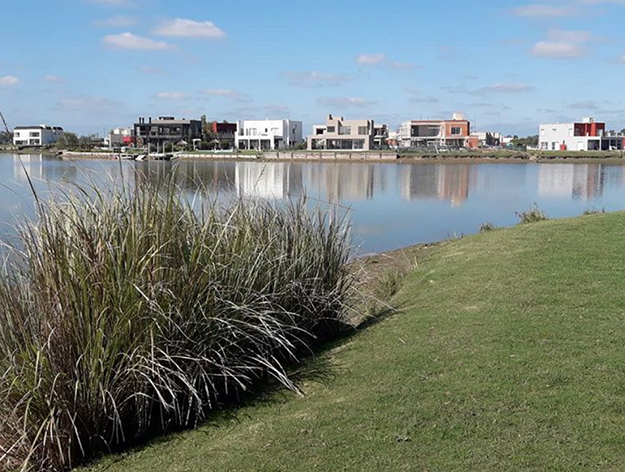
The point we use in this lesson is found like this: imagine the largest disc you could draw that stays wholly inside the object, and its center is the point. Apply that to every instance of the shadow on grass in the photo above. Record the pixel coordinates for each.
(319, 367)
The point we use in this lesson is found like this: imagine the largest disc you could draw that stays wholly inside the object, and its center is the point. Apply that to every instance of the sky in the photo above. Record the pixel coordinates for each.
(92, 65)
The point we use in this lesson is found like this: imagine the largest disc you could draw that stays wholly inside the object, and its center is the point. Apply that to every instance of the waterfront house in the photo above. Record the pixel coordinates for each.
(120, 137)
(222, 135)
(268, 135)
(435, 133)
(346, 135)
(36, 136)
(166, 130)
(587, 135)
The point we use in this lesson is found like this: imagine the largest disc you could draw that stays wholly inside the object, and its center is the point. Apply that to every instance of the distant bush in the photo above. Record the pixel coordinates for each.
(593, 211)
(533, 215)
(133, 313)
(484, 227)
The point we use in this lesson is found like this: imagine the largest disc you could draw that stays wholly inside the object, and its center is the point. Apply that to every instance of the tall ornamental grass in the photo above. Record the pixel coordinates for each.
(129, 313)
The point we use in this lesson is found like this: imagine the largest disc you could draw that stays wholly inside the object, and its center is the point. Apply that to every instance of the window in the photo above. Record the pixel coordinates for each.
(17, 134)
(359, 143)
(456, 130)
(35, 134)
(363, 130)
(345, 130)
(331, 129)
(319, 131)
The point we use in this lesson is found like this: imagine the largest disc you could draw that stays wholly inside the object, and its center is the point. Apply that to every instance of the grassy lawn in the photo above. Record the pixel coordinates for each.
(507, 353)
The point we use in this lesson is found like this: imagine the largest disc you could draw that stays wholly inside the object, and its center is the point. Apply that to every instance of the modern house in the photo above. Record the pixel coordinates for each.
(435, 133)
(166, 130)
(587, 135)
(120, 137)
(222, 135)
(41, 135)
(487, 138)
(340, 134)
(268, 134)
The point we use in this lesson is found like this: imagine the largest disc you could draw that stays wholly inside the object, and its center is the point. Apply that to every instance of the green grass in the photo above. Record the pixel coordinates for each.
(507, 354)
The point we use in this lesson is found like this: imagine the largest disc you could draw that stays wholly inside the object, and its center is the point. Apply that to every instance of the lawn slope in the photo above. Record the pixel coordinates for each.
(508, 353)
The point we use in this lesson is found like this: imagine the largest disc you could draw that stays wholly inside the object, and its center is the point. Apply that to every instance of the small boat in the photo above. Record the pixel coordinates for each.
(126, 157)
(141, 157)
(162, 156)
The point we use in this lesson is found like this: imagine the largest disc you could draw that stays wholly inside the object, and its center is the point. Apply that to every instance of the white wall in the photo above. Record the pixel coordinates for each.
(290, 132)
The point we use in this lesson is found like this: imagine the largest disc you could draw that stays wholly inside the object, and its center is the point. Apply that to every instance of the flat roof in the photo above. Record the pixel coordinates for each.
(57, 128)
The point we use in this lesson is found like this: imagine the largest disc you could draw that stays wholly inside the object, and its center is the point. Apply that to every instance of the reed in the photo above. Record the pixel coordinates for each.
(129, 313)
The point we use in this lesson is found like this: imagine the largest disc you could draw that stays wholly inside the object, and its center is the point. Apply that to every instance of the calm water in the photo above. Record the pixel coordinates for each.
(391, 205)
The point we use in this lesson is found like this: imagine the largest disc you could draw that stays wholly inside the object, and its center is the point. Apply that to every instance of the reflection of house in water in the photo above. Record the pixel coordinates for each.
(338, 182)
(580, 181)
(27, 163)
(255, 179)
(443, 182)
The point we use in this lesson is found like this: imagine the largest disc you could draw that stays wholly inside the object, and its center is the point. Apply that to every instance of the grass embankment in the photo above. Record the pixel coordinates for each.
(507, 354)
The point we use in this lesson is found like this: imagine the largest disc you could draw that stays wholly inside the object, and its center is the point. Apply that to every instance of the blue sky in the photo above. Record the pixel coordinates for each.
(90, 65)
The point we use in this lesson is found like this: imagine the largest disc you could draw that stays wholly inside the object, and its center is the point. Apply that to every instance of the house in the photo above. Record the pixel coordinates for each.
(166, 130)
(268, 134)
(434, 133)
(487, 138)
(41, 135)
(222, 135)
(587, 135)
(120, 137)
(340, 134)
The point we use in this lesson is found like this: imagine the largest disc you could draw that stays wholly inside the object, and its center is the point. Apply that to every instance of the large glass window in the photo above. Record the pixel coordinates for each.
(456, 130)
(345, 130)
(359, 143)
(363, 130)
(35, 134)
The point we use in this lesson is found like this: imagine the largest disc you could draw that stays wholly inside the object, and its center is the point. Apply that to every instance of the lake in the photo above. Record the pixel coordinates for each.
(390, 205)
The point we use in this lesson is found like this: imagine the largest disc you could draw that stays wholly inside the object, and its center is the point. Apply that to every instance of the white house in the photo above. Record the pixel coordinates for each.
(268, 134)
(41, 135)
(119, 137)
(587, 135)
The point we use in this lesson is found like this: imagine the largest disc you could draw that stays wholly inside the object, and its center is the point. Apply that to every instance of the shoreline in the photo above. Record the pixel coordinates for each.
(349, 157)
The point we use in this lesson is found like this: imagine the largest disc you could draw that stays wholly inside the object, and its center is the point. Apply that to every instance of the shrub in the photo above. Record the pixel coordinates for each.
(484, 227)
(130, 313)
(533, 215)
(593, 211)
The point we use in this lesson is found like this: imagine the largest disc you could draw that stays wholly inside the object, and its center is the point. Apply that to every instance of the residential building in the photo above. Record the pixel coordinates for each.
(222, 135)
(340, 134)
(268, 134)
(120, 137)
(36, 136)
(166, 130)
(487, 138)
(587, 135)
(435, 133)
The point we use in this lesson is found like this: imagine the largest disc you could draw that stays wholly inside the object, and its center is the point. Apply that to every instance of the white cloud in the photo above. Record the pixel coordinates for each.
(578, 36)
(171, 96)
(345, 102)
(541, 11)
(54, 79)
(506, 88)
(381, 60)
(222, 93)
(131, 41)
(316, 79)
(558, 49)
(118, 21)
(8, 80)
(190, 29)
(371, 59)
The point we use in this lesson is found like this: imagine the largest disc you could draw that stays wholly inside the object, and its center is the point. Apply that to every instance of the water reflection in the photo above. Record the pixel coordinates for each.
(392, 204)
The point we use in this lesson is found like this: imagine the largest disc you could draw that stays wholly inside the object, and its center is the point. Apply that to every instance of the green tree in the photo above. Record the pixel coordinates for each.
(68, 141)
